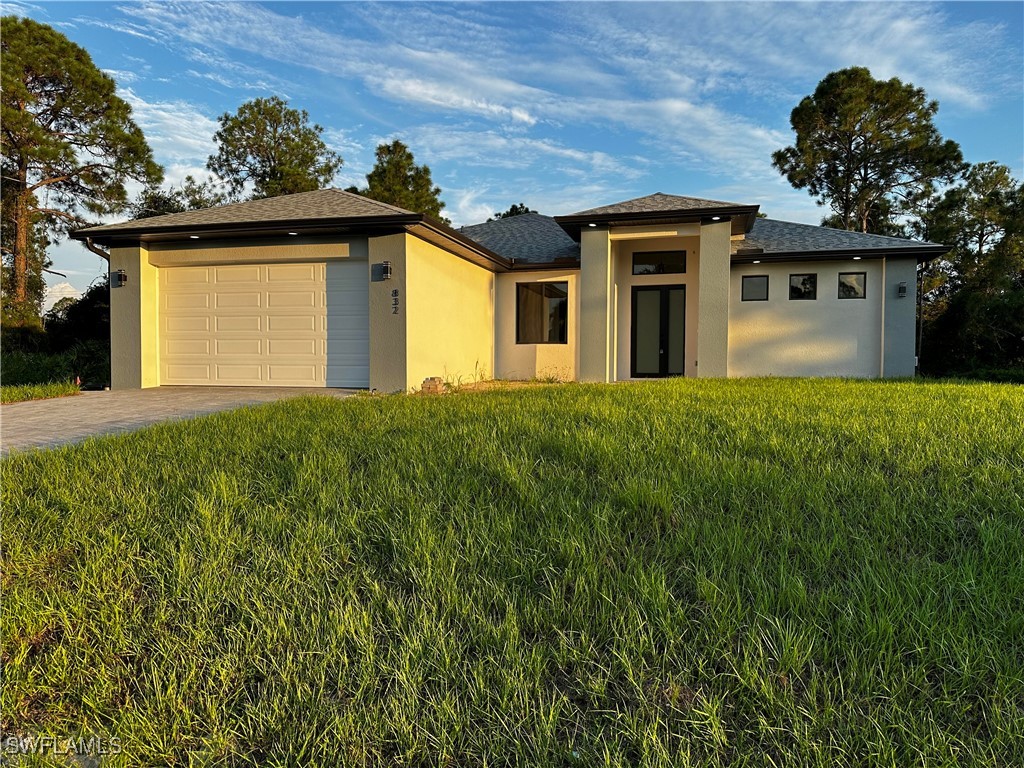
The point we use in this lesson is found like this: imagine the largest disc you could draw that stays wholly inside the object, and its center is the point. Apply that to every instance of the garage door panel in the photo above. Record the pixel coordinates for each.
(183, 347)
(283, 374)
(239, 323)
(186, 323)
(186, 276)
(286, 323)
(187, 301)
(246, 299)
(188, 373)
(281, 273)
(239, 374)
(241, 274)
(247, 347)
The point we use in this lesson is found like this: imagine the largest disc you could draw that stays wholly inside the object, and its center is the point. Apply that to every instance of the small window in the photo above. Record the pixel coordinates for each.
(542, 313)
(803, 287)
(755, 288)
(659, 263)
(853, 285)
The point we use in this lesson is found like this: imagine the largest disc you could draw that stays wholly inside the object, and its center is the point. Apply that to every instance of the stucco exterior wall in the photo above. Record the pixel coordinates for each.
(449, 305)
(534, 361)
(134, 334)
(713, 335)
(825, 337)
(625, 280)
(388, 336)
(900, 324)
(596, 306)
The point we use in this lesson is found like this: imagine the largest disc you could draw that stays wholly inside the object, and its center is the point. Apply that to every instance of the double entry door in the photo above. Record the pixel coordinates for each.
(659, 331)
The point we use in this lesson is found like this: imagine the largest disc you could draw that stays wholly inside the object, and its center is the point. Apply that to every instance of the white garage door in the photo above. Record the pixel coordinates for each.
(262, 325)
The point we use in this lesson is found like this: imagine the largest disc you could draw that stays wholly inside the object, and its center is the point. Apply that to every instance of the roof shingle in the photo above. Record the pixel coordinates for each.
(789, 237)
(303, 206)
(656, 203)
(530, 238)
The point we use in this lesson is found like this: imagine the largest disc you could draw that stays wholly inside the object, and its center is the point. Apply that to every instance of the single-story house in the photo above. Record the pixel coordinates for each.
(329, 288)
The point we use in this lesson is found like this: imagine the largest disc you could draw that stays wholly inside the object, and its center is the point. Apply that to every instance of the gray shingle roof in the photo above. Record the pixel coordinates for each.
(303, 206)
(788, 237)
(529, 239)
(656, 203)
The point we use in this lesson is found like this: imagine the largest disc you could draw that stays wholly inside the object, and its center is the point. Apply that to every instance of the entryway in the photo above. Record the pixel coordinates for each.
(658, 331)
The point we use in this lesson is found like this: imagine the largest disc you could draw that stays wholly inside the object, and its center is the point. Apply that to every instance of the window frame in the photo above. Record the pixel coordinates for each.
(743, 285)
(803, 298)
(675, 252)
(545, 284)
(839, 283)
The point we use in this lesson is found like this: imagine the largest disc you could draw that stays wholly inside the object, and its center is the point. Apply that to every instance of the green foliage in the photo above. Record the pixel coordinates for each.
(397, 180)
(67, 139)
(85, 360)
(681, 573)
(84, 319)
(867, 149)
(192, 195)
(974, 297)
(516, 209)
(21, 393)
(272, 147)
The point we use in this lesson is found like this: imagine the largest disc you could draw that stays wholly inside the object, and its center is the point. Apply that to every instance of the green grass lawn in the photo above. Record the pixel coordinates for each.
(21, 392)
(675, 573)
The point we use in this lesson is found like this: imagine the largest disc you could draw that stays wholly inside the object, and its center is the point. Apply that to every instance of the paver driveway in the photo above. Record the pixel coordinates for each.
(47, 423)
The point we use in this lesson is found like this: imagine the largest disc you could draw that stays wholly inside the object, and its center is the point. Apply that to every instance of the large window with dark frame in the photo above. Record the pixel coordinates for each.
(755, 288)
(803, 287)
(853, 285)
(542, 313)
(659, 262)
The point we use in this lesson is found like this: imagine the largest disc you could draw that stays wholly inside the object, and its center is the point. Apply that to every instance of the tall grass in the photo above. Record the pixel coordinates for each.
(20, 393)
(674, 573)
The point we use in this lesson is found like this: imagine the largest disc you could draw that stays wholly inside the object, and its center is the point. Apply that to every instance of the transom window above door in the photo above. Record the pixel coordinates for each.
(659, 262)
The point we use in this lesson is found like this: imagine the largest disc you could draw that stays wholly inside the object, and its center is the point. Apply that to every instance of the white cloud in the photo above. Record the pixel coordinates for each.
(178, 131)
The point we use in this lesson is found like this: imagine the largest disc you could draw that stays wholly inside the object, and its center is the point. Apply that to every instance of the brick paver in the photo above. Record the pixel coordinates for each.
(48, 423)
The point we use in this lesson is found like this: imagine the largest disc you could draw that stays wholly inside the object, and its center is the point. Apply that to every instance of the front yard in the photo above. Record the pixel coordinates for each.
(674, 573)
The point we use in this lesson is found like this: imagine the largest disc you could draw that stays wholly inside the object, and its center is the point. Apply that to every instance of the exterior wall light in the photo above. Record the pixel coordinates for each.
(901, 291)
(385, 270)
(119, 278)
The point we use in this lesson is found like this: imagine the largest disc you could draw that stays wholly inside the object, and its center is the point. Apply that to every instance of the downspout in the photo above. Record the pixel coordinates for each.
(88, 243)
(919, 318)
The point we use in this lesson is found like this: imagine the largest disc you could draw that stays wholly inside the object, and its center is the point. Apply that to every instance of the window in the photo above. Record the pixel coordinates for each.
(803, 287)
(755, 288)
(852, 285)
(659, 263)
(542, 313)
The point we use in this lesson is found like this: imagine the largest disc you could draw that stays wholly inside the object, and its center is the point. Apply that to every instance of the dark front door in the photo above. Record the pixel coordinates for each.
(659, 330)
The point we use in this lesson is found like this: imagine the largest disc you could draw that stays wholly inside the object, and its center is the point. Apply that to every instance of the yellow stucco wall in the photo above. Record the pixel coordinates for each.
(449, 306)
(534, 361)
(134, 339)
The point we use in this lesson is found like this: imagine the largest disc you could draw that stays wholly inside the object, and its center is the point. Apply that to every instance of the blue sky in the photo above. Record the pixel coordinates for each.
(562, 106)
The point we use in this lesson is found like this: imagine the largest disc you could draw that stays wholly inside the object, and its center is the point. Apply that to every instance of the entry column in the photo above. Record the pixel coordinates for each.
(596, 311)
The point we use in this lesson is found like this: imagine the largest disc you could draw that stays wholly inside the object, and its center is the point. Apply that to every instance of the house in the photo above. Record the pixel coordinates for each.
(328, 288)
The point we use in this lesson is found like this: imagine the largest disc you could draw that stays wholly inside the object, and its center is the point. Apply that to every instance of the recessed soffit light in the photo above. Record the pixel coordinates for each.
(193, 237)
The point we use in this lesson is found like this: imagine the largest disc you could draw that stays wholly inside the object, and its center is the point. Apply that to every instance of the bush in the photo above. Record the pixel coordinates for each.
(89, 360)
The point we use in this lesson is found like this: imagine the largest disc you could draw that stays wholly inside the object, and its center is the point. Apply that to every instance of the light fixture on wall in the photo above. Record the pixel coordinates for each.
(385, 270)
(901, 291)
(119, 278)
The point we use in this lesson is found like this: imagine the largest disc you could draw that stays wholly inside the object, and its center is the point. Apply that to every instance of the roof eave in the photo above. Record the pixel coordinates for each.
(744, 215)
(923, 253)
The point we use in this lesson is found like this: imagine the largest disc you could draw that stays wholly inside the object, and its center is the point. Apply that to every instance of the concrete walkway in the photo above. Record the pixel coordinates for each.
(48, 423)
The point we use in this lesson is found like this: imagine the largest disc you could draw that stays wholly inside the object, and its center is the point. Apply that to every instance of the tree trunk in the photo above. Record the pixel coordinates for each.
(21, 233)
